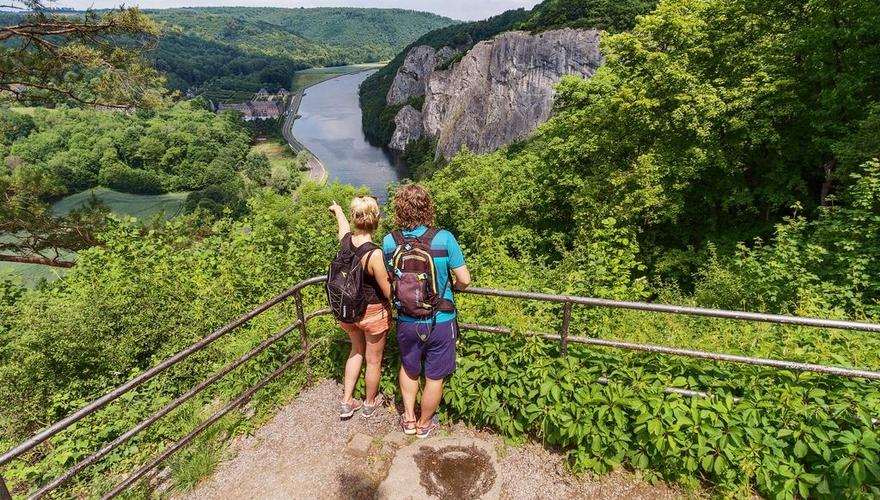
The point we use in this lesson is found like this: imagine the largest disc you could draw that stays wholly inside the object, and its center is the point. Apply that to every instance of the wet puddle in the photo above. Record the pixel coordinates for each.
(455, 472)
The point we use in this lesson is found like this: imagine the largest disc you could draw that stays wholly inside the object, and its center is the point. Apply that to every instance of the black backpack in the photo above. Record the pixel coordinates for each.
(345, 282)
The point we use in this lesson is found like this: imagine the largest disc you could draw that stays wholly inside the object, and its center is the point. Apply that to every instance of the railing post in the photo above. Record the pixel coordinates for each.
(304, 336)
(566, 323)
(4, 491)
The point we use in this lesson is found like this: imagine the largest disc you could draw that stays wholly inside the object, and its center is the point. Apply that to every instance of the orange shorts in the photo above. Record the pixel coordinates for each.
(376, 321)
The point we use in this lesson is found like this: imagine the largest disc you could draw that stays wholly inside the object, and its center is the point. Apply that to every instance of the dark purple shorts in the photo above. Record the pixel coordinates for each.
(437, 351)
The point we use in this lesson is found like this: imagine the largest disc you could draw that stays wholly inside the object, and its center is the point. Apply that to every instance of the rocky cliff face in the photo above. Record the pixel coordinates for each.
(500, 91)
(412, 77)
(407, 128)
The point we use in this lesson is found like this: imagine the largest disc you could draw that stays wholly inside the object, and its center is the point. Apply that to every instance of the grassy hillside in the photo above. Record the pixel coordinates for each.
(244, 48)
(388, 30)
(143, 207)
(311, 76)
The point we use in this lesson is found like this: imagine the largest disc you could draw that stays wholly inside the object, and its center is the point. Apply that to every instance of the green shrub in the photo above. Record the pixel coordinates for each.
(122, 178)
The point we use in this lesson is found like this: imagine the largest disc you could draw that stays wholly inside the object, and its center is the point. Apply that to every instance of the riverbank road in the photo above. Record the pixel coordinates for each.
(317, 170)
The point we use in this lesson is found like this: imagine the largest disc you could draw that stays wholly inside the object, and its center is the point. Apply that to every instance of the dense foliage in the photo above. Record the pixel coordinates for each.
(244, 48)
(142, 295)
(609, 15)
(47, 57)
(693, 132)
(182, 148)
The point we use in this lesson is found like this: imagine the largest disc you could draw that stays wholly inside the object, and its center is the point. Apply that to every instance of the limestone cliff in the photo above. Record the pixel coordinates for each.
(407, 128)
(501, 90)
(412, 77)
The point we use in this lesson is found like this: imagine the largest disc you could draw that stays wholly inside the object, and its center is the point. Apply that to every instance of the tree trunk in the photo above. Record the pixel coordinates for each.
(37, 259)
(826, 186)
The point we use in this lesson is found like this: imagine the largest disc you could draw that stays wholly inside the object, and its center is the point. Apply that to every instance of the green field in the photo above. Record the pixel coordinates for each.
(28, 110)
(311, 76)
(276, 153)
(122, 204)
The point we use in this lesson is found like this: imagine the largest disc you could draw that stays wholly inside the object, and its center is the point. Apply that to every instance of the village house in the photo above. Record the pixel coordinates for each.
(255, 110)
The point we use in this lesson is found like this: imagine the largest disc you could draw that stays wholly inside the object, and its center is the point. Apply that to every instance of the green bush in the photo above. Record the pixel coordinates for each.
(143, 295)
(122, 178)
(782, 434)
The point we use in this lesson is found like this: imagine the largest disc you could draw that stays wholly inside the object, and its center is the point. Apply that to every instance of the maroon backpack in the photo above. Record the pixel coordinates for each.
(414, 277)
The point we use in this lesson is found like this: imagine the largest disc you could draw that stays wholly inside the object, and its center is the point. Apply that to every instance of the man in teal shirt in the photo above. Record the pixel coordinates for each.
(428, 342)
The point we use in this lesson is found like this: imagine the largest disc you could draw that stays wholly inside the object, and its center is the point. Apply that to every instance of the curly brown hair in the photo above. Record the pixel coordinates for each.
(413, 206)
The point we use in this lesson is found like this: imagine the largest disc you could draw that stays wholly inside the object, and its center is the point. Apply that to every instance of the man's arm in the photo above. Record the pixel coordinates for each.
(462, 278)
(456, 263)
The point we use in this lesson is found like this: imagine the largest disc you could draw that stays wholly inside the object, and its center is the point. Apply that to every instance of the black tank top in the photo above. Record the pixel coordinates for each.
(372, 291)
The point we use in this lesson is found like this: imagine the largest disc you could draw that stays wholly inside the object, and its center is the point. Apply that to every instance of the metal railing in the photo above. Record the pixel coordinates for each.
(300, 324)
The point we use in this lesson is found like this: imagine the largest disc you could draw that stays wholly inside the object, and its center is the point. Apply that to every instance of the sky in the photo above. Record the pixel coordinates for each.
(466, 10)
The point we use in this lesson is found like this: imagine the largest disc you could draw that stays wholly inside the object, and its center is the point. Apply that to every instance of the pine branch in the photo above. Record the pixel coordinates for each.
(37, 259)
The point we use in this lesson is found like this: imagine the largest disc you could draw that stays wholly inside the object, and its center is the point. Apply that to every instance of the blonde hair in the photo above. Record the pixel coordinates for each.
(365, 213)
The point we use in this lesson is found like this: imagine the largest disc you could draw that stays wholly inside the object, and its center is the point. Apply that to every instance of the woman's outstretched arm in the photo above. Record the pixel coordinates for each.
(341, 220)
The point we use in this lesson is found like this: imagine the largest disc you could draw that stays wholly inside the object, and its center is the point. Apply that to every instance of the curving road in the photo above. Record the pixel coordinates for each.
(317, 170)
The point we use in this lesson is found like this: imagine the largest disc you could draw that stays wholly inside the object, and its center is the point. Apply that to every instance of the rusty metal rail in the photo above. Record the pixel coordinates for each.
(61, 425)
(300, 325)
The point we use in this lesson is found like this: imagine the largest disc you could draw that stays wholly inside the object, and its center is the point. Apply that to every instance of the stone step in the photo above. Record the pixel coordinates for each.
(444, 468)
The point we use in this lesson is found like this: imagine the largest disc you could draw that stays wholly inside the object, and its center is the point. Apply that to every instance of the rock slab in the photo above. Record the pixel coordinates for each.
(445, 468)
(359, 445)
(407, 128)
(412, 76)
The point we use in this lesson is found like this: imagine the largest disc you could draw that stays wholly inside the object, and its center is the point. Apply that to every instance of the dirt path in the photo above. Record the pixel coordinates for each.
(304, 452)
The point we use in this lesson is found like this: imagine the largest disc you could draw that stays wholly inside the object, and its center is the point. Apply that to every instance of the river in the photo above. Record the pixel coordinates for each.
(330, 127)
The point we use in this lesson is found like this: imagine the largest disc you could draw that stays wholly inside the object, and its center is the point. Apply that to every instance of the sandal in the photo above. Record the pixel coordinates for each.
(424, 432)
(408, 426)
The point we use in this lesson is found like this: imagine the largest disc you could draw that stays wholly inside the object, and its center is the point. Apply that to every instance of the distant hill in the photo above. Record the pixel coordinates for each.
(388, 30)
(244, 48)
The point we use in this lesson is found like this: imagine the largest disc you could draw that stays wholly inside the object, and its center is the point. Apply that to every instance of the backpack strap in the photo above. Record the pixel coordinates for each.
(365, 248)
(426, 239)
(397, 235)
(345, 242)
(428, 236)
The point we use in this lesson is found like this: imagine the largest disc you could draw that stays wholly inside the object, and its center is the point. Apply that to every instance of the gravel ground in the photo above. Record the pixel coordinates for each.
(301, 453)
